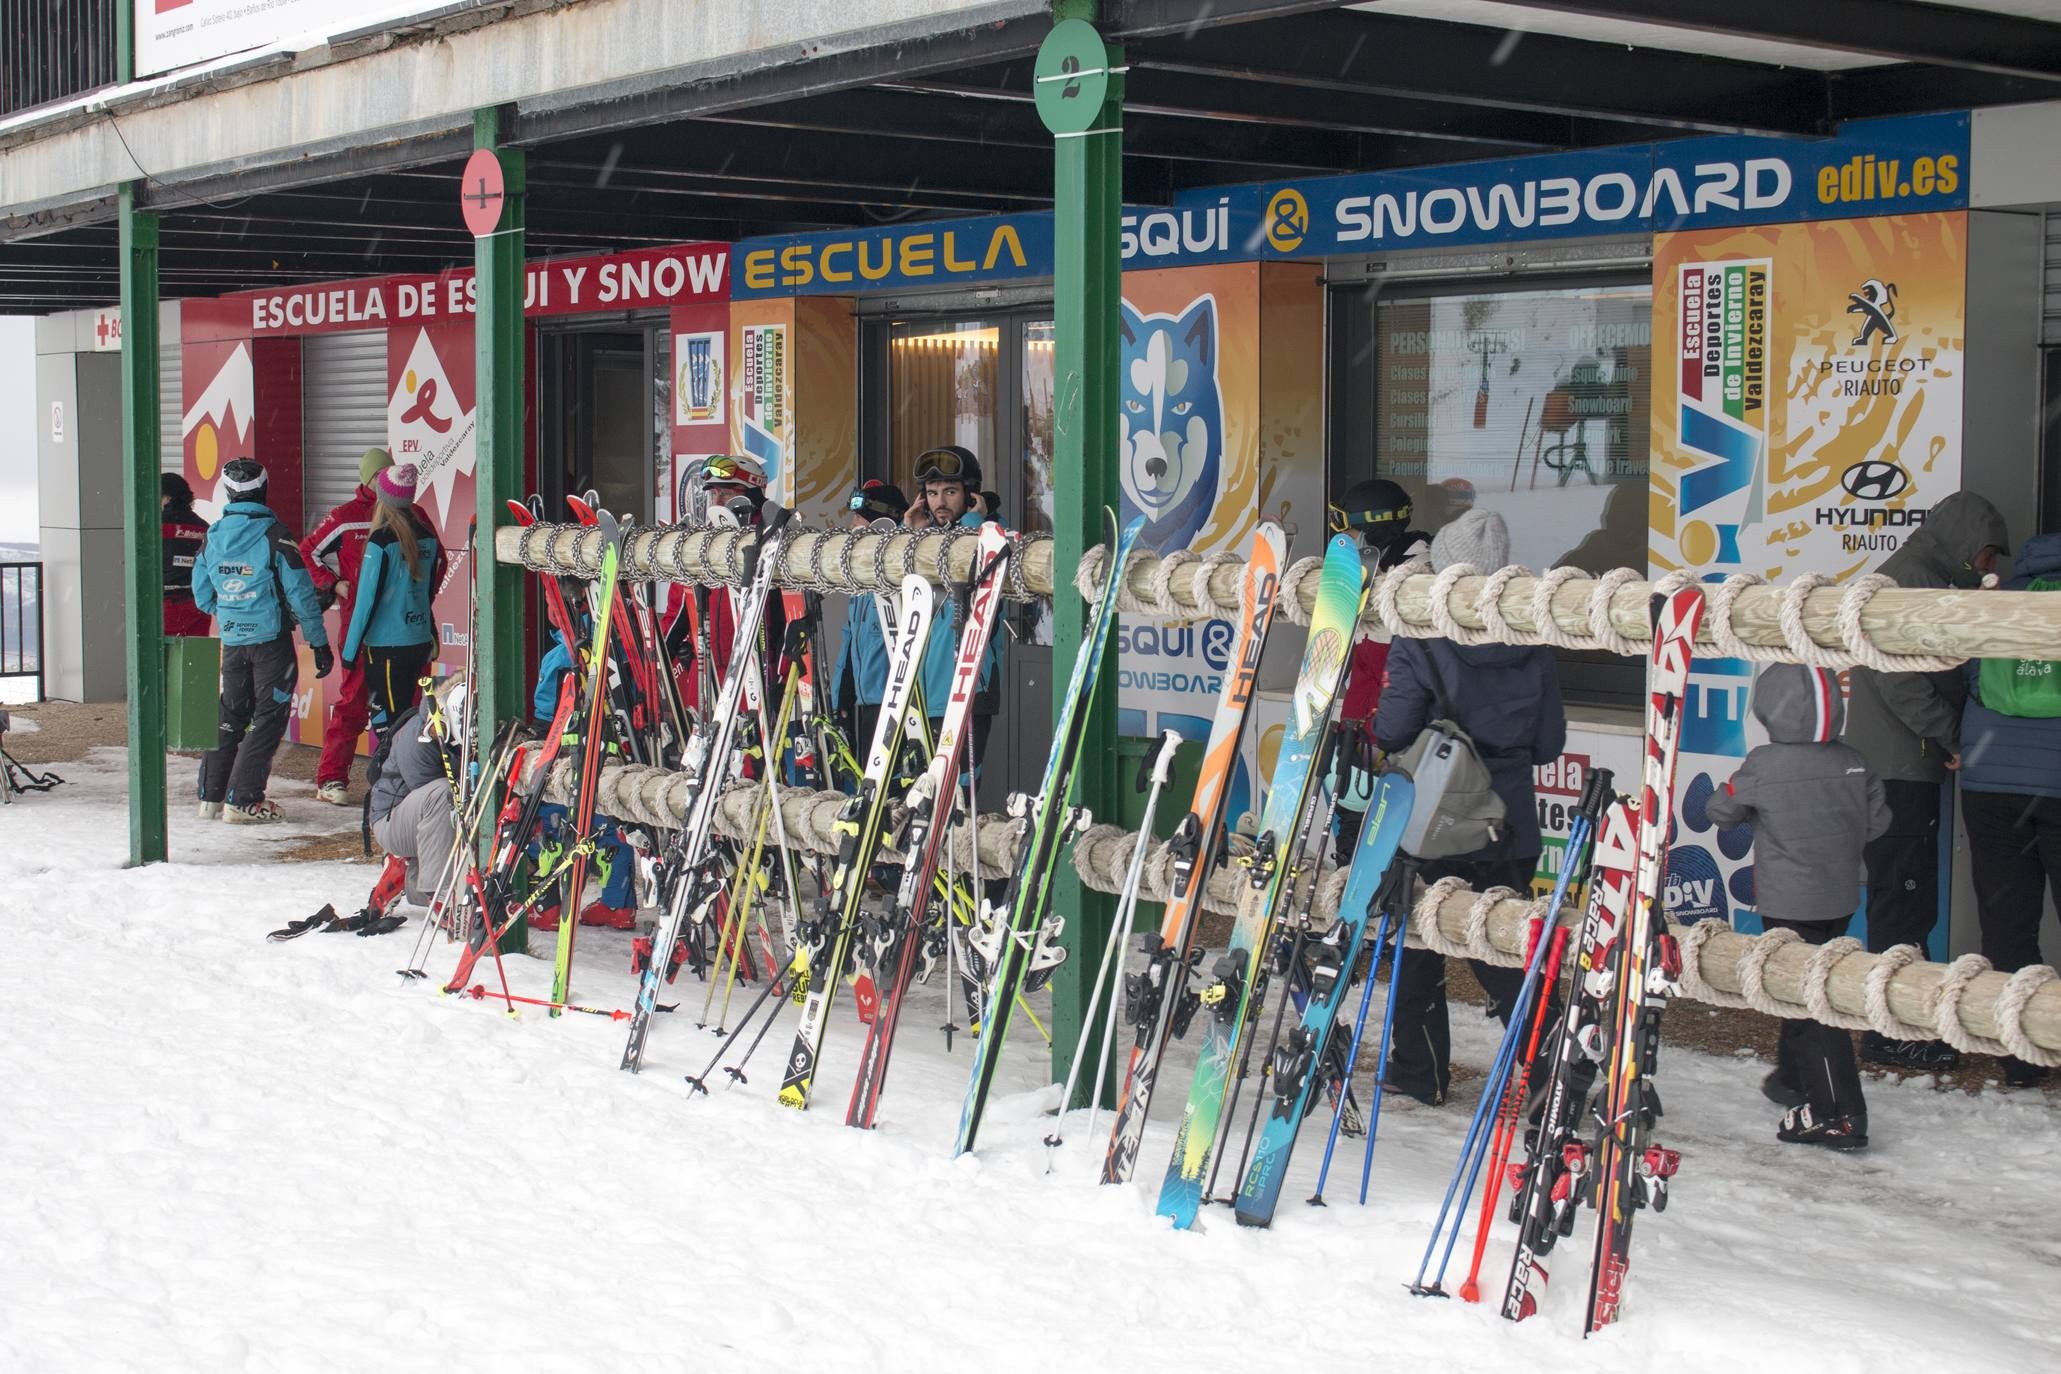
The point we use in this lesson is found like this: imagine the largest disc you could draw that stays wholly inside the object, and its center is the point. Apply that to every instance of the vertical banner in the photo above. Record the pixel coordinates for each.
(701, 398)
(1806, 414)
(432, 421)
(761, 398)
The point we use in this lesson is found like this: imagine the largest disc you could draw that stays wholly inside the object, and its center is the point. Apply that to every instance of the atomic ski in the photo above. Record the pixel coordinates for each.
(1155, 999)
(707, 765)
(1630, 1173)
(824, 943)
(894, 938)
(1341, 594)
(1017, 946)
(1328, 962)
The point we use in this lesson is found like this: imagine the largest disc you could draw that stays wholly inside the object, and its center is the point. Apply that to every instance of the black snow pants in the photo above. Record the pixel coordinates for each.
(1813, 1056)
(257, 697)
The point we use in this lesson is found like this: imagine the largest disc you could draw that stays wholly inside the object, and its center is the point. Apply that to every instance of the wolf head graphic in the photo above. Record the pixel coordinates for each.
(1173, 421)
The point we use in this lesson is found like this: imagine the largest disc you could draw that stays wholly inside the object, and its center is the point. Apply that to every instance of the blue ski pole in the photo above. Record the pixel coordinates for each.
(1473, 1149)
(1405, 888)
(1352, 1058)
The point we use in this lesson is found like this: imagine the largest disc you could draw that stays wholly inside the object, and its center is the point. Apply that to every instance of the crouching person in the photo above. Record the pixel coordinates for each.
(1813, 804)
(410, 809)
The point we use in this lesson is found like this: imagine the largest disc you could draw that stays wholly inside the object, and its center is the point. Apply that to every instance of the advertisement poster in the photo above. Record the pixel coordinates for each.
(762, 403)
(433, 422)
(1806, 414)
(1557, 789)
(178, 33)
(1189, 402)
(698, 387)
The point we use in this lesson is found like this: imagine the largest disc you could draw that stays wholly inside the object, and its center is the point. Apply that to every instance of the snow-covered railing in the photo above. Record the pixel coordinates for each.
(1809, 619)
(1896, 993)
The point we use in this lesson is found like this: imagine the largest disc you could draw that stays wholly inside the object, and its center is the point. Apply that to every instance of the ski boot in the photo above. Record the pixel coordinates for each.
(375, 918)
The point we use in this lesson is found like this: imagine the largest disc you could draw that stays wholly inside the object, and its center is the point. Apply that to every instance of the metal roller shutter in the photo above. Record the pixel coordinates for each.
(343, 413)
(2050, 299)
(171, 444)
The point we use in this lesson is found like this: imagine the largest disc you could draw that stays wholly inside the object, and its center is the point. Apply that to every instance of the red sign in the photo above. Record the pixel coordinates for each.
(480, 192)
(645, 279)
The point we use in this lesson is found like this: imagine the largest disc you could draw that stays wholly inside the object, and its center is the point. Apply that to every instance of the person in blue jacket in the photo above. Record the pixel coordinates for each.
(2011, 790)
(392, 627)
(250, 578)
(949, 478)
(859, 679)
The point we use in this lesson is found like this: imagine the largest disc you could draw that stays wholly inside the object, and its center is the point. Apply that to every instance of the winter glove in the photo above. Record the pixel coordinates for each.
(324, 660)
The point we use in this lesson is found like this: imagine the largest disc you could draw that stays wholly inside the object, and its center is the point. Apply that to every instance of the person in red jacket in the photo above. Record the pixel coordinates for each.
(334, 551)
(1378, 512)
(184, 533)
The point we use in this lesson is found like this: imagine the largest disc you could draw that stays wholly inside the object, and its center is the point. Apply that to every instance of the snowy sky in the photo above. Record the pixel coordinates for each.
(17, 430)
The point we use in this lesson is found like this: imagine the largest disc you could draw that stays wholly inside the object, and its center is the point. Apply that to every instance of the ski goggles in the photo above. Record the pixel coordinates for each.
(941, 465)
(724, 468)
(1340, 519)
(867, 501)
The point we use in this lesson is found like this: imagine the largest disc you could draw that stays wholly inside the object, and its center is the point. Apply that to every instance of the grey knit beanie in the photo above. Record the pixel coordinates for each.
(1479, 537)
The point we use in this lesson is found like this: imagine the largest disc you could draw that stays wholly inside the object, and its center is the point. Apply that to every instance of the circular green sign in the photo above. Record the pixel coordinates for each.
(1072, 76)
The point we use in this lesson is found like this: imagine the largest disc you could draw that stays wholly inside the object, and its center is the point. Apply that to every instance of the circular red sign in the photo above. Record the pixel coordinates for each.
(480, 192)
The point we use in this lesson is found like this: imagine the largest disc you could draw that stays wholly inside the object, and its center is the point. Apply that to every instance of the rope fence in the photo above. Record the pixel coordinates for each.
(1896, 993)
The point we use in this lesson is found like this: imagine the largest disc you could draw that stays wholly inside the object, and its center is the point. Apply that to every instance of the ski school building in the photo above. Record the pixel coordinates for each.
(1728, 352)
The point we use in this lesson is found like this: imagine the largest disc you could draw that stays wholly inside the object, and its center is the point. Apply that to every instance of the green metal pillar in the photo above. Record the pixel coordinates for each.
(143, 611)
(1087, 174)
(497, 657)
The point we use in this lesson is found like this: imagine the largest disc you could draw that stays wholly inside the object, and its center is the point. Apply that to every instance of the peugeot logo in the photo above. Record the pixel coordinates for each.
(1874, 479)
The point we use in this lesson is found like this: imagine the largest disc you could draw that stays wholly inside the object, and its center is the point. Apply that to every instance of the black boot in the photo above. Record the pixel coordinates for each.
(1928, 1056)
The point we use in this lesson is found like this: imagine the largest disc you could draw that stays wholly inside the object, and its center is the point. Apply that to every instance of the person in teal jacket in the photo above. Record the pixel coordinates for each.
(392, 626)
(249, 576)
(859, 679)
(949, 478)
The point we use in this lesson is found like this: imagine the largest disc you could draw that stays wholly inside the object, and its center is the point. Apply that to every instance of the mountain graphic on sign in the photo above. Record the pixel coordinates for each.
(232, 393)
(426, 427)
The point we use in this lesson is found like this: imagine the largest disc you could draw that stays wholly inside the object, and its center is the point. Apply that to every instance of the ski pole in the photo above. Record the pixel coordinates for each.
(479, 992)
(1352, 1055)
(1405, 886)
(1473, 1147)
(1506, 1123)
(1119, 935)
(767, 993)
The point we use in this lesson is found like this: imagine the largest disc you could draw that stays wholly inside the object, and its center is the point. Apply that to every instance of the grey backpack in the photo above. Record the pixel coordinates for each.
(1457, 810)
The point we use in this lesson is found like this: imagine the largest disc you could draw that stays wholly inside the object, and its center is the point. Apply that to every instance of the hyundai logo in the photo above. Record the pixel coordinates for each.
(1874, 479)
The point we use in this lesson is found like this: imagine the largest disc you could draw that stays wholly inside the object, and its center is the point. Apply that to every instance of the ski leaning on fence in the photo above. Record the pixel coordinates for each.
(686, 864)
(824, 946)
(1341, 595)
(1630, 1172)
(894, 939)
(1156, 1001)
(1017, 945)
(1328, 960)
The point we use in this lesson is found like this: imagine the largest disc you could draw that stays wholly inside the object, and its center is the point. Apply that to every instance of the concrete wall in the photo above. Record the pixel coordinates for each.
(79, 490)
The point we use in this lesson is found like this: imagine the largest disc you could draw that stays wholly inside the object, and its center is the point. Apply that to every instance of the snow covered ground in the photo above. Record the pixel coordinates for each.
(221, 1154)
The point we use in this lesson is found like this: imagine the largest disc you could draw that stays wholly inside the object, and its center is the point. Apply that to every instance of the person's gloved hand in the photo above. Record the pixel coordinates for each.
(324, 660)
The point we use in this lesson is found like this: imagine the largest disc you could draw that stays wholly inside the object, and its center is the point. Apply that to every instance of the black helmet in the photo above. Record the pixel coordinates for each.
(877, 500)
(1376, 507)
(949, 463)
(245, 480)
(173, 487)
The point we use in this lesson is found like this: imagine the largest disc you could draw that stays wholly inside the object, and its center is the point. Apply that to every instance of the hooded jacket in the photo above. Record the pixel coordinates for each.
(1505, 696)
(2001, 753)
(250, 578)
(413, 760)
(1908, 724)
(1811, 800)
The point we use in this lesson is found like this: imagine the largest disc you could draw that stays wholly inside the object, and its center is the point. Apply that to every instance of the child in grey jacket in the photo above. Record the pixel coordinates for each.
(1813, 803)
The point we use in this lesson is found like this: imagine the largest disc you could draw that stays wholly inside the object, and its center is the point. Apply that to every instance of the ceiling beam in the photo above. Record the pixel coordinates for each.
(1464, 64)
(1909, 87)
(1903, 30)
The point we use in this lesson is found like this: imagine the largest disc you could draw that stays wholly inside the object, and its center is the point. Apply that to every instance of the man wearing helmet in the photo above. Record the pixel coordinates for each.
(1377, 512)
(733, 489)
(948, 479)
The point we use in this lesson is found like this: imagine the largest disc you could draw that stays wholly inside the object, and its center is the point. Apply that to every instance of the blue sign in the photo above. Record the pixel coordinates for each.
(1871, 167)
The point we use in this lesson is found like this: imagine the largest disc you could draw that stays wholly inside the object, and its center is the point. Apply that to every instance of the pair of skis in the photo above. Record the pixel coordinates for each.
(1626, 965)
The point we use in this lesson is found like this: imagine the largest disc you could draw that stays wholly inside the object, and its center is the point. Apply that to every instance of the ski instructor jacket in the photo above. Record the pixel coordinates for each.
(335, 549)
(250, 578)
(1907, 725)
(1811, 800)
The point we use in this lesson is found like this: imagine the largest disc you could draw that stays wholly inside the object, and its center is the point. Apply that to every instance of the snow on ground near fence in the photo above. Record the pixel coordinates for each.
(222, 1154)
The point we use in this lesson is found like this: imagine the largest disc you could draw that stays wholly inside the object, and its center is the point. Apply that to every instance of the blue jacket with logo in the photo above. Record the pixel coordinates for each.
(250, 578)
(2001, 753)
(862, 656)
(941, 652)
(390, 609)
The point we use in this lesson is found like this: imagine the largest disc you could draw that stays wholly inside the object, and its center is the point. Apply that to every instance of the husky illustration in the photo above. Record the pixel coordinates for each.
(1173, 421)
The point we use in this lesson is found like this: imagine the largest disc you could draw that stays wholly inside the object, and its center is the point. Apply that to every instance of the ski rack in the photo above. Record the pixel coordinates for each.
(1896, 993)
(1809, 619)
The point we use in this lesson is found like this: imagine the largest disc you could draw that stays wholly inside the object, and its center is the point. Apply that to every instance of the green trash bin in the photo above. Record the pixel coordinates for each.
(193, 691)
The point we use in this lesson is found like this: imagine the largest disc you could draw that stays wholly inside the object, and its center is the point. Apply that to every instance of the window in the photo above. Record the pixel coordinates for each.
(1528, 401)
